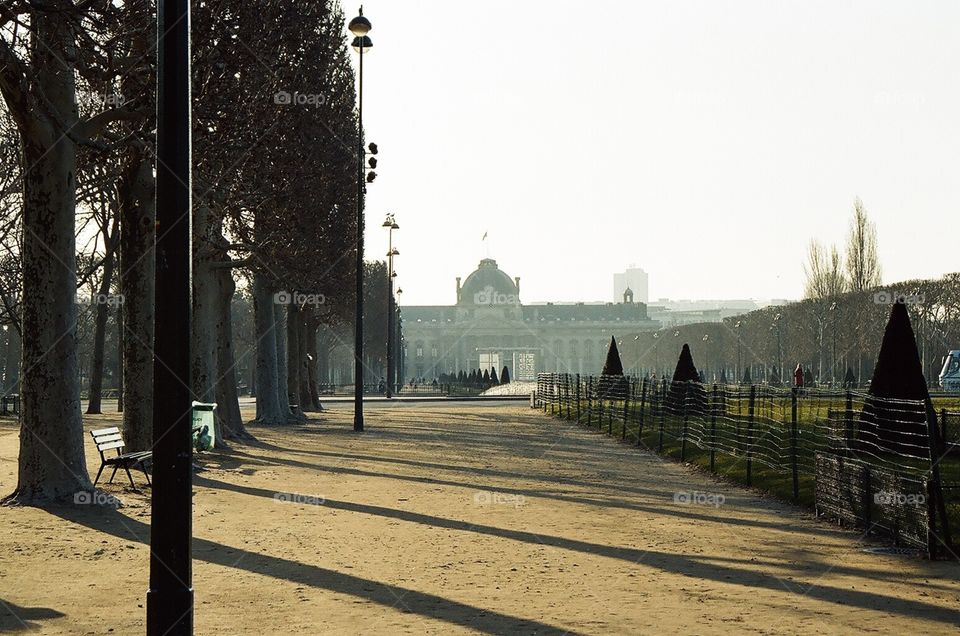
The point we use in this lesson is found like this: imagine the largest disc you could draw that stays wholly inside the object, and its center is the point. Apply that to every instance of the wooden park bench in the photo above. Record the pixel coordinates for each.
(108, 439)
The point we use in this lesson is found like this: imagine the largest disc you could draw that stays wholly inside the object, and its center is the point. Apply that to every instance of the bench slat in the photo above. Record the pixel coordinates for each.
(105, 431)
(103, 439)
(127, 460)
(109, 445)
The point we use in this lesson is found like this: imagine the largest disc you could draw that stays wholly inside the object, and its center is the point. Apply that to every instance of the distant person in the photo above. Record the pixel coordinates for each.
(798, 376)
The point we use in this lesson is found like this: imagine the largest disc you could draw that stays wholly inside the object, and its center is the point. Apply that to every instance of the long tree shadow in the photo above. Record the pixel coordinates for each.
(684, 565)
(475, 470)
(14, 618)
(484, 620)
(678, 511)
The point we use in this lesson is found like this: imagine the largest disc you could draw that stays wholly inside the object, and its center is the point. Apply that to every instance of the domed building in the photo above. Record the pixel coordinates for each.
(489, 327)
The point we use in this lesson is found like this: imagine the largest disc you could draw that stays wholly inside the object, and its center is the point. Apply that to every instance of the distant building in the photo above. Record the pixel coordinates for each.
(674, 313)
(634, 279)
(489, 327)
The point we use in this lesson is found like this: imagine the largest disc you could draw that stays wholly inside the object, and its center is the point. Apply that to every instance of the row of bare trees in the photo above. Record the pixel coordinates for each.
(828, 274)
(827, 336)
(273, 183)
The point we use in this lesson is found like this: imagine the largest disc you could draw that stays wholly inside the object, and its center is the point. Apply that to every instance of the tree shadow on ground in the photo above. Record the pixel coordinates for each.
(483, 620)
(475, 470)
(695, 567)
(14, 618)
(668, 507)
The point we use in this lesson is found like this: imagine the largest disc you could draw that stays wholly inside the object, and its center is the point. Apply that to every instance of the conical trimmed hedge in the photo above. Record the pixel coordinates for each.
(611, 383)
(686, 389)
(897, 375)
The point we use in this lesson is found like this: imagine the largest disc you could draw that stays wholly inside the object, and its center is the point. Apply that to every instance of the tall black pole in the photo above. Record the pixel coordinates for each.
(358, 335)
(390, 365)
(170, 598)
(390, 312)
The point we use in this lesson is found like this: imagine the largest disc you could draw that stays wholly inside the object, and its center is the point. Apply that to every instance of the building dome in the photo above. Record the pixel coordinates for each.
(489, 285)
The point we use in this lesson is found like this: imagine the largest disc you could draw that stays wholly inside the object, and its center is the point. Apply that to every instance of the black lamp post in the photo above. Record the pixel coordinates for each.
(391, 224)
(360, 26)
(739, 377)
(398, 340)
(706, 356)
(170, 597)
(776, 325)
(656, 352)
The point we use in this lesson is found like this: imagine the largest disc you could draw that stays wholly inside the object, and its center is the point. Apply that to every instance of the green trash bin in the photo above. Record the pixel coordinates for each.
(202, 426)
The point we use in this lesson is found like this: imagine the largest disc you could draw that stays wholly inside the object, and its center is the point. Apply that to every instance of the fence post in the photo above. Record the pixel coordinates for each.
(943, 428)
(597, 388)
(935, 502)
(643, 400)
(566, 388)
(662, 409)
(867, 496)
(600, 397)
(848, 423)
(750, 412)
(626, 407)
(793, 444)
(578, 398)
(713, 427)
(589, 400)
(686, 415)
(610, 411)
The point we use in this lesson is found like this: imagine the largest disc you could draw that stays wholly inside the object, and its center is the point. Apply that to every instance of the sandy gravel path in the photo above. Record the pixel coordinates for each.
(462, 518)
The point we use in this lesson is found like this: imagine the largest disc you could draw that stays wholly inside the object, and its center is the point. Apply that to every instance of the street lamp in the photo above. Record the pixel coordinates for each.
(360, 26)
(739, 377)
(656, 352)
(391, 224)
(833, 353)
(706, 355)
(776, 325)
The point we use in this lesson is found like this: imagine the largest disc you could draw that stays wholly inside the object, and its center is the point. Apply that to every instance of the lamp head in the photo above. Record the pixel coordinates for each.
(362, 44)
(360, 26)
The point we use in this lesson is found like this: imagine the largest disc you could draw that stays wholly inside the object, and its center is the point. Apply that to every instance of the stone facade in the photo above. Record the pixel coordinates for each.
(489, 327)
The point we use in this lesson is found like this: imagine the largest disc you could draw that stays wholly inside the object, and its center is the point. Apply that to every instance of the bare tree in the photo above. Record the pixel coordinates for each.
(863, 263)
(824, 272)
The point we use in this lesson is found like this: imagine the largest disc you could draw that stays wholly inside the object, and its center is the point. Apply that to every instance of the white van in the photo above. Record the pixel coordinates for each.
(950, 375)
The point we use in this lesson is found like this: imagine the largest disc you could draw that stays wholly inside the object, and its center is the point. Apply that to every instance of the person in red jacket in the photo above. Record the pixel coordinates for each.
(798, 377)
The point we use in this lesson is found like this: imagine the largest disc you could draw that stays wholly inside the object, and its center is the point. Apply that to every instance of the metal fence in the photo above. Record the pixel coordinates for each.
(869, 462)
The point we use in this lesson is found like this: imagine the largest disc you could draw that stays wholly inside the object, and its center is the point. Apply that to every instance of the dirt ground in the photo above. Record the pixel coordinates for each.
(461, 518)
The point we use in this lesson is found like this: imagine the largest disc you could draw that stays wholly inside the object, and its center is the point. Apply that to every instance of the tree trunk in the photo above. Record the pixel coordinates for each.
(283, 367)
(293, 355)
(52, 465)
(138, 217)
(120, 339)
(303, 375)
(228, 402)
(203, 328)
(313, 361)
(11, 366)
(269, 411)
(100, 328)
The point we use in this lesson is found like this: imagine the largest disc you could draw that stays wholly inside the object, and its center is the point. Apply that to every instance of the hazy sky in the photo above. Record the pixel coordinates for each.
(707, 142)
